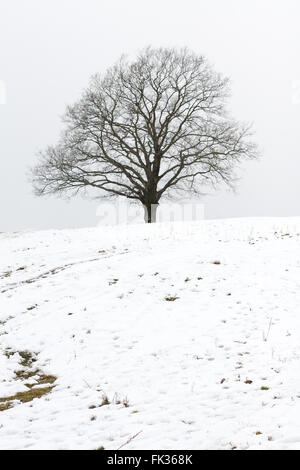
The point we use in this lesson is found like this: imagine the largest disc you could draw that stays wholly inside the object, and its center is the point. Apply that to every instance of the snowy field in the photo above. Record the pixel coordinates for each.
(171, 336)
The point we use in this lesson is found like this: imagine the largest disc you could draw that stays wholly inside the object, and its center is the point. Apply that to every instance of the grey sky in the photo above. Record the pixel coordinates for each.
(49, 49)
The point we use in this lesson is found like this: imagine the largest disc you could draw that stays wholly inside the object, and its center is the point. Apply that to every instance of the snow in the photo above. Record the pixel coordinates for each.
(90, 305)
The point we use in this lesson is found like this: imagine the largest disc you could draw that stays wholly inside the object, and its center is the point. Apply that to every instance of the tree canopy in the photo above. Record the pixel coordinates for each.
(145, 129)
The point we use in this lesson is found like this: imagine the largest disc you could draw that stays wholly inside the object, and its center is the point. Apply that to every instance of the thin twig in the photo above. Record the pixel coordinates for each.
(265, 337)
(129, 440)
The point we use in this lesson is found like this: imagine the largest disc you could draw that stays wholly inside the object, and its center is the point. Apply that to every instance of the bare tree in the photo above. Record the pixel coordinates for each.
(145, 129)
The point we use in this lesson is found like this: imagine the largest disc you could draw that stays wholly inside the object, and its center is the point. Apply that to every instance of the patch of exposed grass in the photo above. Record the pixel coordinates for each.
(171, 299)
(27, 372)
(25, 397)
(5, 406)
(46, 379)
(27, 358)
(42, 380)
(8, 353)
(25, 375)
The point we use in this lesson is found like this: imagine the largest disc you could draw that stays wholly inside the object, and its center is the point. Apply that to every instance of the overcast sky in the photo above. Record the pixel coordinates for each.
(50, 48)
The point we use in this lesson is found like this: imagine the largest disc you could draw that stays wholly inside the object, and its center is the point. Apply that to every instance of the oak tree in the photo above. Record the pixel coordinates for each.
(147, 129)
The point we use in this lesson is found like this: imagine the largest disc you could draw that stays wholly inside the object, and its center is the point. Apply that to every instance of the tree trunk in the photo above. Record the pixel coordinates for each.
(150, 213)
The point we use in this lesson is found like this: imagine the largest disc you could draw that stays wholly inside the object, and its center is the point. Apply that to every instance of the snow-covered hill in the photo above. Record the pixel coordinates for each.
(171, 336)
